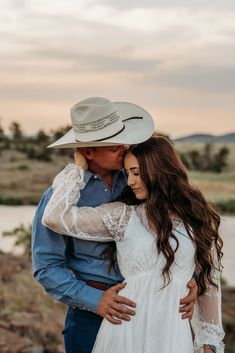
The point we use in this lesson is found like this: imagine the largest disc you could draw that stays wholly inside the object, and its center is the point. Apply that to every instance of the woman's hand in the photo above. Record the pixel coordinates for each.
(80, 160)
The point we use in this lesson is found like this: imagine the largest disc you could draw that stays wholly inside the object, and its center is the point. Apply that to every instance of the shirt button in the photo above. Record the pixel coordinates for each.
(95, 176)
(106, 189)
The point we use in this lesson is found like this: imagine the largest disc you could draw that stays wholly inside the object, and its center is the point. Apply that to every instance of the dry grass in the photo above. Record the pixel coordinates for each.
(25, 180)
(215, 186)
(30, 321)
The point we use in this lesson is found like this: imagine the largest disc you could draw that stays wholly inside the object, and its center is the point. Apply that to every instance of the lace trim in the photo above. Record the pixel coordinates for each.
(220, 347)
(70, 181)
(207, 333)
(71, 172)
(117, 220)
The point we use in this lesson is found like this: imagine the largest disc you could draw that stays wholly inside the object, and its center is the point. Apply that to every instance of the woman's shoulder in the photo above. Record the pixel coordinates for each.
(116, 218)
(118, 207)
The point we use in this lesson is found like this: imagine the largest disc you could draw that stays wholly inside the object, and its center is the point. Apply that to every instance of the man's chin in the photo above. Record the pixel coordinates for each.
(119, 166)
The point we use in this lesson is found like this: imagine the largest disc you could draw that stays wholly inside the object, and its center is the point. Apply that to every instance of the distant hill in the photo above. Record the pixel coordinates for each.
(205, 138)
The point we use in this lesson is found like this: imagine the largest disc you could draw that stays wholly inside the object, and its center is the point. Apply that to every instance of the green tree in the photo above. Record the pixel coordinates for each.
(42, 137)
(220, 159)
(4, 140)
(1, 130)
(23, 237)
(195, 159)
(184, 159)
(207, 157)
(40, 153)
(60, 132)
(16, 131)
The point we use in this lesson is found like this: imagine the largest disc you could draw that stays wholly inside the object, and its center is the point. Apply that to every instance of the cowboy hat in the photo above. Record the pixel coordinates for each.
(97, 122)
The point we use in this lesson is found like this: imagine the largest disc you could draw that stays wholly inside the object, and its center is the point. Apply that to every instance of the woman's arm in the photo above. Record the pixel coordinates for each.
(62, 216)
(207, 317)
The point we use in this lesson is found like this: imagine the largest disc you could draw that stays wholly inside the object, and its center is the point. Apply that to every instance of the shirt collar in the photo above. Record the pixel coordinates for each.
(118, 174)
(87, 176)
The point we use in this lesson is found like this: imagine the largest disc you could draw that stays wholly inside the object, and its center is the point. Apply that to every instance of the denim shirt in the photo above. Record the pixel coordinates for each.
(62, 264)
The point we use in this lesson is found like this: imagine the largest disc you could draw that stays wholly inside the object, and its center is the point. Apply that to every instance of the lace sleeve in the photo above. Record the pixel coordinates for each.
(207, 320)
(103, 223)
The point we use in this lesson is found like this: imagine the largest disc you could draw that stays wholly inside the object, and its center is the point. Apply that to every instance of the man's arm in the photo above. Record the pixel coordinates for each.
(50, 270)
(50, 266)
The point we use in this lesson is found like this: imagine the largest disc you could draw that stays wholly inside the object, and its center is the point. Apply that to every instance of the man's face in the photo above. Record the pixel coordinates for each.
(108, 158)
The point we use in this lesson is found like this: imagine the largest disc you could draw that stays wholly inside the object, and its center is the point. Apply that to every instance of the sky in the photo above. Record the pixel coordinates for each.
(174, 58)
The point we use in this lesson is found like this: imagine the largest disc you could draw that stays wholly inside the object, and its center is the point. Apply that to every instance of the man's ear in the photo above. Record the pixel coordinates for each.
(87, 152)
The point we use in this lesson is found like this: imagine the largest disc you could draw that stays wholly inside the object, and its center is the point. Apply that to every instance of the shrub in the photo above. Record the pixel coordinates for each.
(206, 160)
(23, 237)
(23, 167)
(227, 206)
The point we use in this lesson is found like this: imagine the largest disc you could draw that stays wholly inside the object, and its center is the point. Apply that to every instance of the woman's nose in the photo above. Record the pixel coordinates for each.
(130, 180)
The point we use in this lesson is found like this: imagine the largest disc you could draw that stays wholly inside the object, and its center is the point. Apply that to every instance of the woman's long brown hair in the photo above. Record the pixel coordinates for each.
(172, 196)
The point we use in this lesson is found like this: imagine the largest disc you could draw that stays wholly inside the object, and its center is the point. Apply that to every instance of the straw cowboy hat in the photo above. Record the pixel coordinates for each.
(97, 121)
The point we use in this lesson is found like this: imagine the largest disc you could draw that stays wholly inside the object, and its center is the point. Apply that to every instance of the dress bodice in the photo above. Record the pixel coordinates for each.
(137, 252)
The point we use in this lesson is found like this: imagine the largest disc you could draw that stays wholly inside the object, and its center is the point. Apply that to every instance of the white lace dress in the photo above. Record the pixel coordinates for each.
(157, 326)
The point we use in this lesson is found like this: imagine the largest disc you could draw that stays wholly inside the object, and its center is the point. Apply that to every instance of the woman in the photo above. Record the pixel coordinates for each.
(164, 231)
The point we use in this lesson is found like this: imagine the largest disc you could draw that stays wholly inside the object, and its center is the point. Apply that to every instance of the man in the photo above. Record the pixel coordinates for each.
(74, 271)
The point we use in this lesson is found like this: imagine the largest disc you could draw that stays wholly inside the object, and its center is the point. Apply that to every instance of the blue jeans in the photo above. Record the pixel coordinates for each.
(81, 328)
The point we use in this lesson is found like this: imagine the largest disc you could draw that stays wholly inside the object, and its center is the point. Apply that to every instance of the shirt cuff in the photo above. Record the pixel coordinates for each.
(91, 299)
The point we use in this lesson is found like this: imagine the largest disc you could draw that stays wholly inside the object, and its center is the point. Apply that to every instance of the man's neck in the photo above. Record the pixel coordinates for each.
(106, 175)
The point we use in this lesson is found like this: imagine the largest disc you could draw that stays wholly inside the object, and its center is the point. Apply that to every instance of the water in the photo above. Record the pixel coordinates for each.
(12, 216)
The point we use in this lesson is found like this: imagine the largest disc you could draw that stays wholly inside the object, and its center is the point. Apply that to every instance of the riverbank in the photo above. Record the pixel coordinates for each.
(30, 321)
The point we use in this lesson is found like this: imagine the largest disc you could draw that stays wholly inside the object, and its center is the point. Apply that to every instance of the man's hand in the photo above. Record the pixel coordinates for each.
(187, 303)
(207, 349)
(114, 307)
(80, 160)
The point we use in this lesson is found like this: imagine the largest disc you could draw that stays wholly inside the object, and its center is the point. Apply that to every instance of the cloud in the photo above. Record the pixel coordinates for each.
(158, 53)
(190, 4)
(197, 78)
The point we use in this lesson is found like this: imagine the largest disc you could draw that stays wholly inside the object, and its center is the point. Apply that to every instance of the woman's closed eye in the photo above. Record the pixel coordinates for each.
(133, 173)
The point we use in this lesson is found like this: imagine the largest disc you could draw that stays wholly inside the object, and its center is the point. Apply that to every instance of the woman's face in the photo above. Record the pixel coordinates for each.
(131, 166)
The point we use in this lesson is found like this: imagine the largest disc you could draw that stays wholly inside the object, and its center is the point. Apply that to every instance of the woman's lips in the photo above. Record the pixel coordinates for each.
(135, 190)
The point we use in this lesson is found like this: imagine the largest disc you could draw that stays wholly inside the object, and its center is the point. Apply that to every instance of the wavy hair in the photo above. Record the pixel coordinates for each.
(172, 196)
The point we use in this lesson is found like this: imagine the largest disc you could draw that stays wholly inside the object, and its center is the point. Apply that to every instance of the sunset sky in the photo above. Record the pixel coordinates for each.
(175, 58)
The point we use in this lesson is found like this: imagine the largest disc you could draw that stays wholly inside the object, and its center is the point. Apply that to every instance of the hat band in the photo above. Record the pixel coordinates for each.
(117, 133)
(133, 117)
(97, 125)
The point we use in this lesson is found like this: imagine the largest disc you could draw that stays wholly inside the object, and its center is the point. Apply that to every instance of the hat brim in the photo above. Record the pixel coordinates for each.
(136, 130)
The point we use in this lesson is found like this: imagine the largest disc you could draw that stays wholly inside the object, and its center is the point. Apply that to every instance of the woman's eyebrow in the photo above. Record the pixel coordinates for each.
(132, 168)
